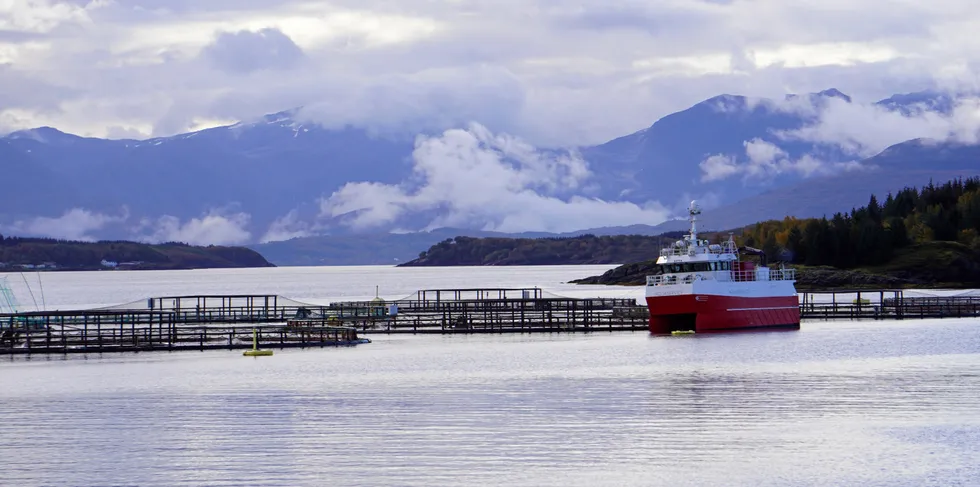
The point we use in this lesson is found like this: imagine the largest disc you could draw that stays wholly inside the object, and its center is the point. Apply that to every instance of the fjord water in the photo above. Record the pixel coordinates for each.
(867, 403)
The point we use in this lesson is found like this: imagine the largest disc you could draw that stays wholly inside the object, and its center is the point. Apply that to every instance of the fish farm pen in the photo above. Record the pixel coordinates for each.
(492, 311)
(209, 322)
(886, 305)
(227, 321)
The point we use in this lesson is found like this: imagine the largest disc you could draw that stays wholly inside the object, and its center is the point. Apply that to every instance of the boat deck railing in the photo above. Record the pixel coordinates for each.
(723, 276)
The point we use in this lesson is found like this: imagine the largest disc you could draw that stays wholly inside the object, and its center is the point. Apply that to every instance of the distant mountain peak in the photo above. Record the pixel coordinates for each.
(921, 101)
(281, 117)
(45, 134)
(834, 93)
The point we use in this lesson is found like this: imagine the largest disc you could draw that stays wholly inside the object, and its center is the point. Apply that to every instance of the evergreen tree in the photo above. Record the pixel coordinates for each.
(874, 210)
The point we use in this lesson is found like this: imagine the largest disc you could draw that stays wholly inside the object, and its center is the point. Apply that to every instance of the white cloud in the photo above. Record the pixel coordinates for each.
(718, 167)
(764, 160)
(74, 224)
(476, 178)
(863, 130)
(41, 16)
(287, 227)
(213, 228)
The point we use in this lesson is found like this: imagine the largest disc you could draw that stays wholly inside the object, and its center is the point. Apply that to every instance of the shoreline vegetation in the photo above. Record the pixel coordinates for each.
(19, 254)
(928, 238)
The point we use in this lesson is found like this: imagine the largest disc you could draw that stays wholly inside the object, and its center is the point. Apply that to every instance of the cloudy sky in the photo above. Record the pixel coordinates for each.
(494, 77)
(552, 72)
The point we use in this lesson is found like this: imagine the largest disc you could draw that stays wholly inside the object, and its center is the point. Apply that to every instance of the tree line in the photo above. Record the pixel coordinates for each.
(871, 234)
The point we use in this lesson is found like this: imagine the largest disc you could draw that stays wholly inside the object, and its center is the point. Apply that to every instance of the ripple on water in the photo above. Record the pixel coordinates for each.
(826, 406)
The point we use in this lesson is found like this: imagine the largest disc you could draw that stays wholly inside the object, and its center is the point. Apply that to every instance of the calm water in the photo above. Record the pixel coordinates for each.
(834, 404)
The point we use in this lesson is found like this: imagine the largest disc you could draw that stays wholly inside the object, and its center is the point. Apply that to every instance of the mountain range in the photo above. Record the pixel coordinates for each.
(746, 159)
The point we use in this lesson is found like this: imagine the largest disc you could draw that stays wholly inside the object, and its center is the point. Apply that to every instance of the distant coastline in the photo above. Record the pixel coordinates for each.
(19, 254)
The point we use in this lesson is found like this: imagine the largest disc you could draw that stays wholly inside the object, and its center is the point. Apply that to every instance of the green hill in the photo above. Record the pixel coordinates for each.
(49, 254)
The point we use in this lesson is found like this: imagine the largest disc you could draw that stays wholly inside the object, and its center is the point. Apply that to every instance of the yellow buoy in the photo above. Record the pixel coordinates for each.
(255, 352)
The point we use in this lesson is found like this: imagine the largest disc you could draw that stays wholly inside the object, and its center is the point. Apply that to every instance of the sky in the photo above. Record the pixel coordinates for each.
(552, 72)
(495, 78)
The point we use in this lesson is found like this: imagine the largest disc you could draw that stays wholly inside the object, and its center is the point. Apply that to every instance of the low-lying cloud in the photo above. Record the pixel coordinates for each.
(213, 228)
(853, 131)
(74, 224)
(287, 227)
(474, 178)
(764, 160)
(863, 130)
(81, 224)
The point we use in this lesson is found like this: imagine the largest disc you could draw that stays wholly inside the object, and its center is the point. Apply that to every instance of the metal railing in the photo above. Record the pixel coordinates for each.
(723, 276)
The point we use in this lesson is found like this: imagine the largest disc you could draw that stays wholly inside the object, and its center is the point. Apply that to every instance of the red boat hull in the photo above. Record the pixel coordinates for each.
(712, 313)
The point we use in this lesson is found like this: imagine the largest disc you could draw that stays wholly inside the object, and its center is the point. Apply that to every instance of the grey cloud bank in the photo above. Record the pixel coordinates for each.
(578, 72)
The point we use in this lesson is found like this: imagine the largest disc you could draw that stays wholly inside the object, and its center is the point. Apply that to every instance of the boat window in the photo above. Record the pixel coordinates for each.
(687, 267)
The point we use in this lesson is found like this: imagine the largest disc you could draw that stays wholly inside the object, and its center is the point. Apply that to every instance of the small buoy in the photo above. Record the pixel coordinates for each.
(255, 352)
(682, 332)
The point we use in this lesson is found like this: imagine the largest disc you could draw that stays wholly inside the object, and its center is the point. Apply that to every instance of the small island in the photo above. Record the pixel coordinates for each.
(19, 254)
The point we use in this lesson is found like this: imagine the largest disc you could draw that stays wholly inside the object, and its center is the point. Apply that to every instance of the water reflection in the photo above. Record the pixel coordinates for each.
(885, 404)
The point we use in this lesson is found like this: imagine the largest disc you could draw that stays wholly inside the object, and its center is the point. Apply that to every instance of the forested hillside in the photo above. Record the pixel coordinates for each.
(19, 253)
(871, 235)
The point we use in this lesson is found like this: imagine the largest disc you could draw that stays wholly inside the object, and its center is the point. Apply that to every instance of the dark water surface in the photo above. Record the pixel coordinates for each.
(833, 404)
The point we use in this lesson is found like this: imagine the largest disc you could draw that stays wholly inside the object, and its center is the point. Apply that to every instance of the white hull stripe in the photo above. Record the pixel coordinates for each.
(761, 309)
